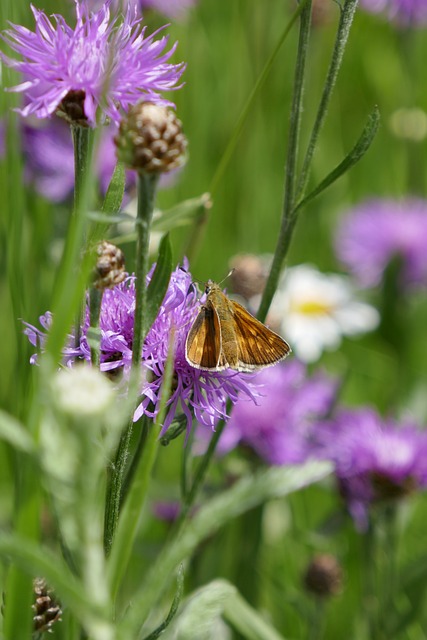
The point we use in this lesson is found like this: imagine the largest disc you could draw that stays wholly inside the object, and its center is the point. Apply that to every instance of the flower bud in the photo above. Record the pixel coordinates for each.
(82, 392)
(46, 609)
(150, 139)
(323, 577)
(110, 266)
(249, 274)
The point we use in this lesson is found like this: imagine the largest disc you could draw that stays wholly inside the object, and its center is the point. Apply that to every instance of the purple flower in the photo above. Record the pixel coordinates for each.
(375, 459)
(403, 12)
(49, 157)
(279, 428)
(375, 232)
(105, 64)
(203, 393)
(170, 8)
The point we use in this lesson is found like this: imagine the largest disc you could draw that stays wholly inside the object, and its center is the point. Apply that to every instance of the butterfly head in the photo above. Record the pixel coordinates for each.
(209, 285)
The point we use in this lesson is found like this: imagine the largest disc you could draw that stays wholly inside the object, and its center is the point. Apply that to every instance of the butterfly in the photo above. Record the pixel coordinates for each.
(225, 335)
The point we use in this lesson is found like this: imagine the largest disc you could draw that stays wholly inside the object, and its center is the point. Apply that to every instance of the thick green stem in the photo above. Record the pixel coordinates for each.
(288, 214)
(346, 19)
(146, 193)
(73, 270)
(95, 300)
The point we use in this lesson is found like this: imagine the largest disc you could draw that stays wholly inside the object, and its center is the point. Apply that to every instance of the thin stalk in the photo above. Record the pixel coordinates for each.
(146, 193)
(135, 498)
(346, 18)
(228, 153)
(317, 622)
(288, 214)
(370, 601)
(200, 474)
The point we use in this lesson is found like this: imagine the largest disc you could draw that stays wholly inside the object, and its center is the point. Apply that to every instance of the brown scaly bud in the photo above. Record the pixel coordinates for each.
(249, 274)
(150, 139)
(110, 266)
(324, 577)
(46, 609)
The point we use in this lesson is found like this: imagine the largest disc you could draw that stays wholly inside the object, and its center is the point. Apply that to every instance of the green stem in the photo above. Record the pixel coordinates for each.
(95, 300)
(346, 19)
(200, 474)
(317, 622)
(146, 193)
(228, 153)
(288, 214)
(73, 270)
(370, 604)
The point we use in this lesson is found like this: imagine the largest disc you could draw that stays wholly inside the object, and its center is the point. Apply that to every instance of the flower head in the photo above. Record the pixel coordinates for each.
(279, 428)
(316, 309)
(101, 63)
(172, 8)
(375, 459)
(193, 391)
(403, 12)
(375, 232)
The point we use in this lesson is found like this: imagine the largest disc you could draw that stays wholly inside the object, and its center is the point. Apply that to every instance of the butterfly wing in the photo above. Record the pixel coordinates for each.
(258, 346)
(203, 345)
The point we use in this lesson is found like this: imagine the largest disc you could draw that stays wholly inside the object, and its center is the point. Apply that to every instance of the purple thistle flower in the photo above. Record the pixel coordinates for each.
(203, 393)
(279, 428)
(403, 12)
(375, 459)
(171, 8)
(111, 63)
(375, 232)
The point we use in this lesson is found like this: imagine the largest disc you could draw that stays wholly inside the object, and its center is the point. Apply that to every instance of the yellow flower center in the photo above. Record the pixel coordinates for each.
(312, 307)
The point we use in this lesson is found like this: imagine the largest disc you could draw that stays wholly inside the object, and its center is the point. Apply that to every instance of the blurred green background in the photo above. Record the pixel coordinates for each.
(225, 45)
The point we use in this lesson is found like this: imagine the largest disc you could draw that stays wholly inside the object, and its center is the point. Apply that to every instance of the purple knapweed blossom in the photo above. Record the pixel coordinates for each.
(375, 459)
(375, 232)
(201, 393)
(109, 62)
(407, 13)
(49, 159)
(279, 428)
(172, 8)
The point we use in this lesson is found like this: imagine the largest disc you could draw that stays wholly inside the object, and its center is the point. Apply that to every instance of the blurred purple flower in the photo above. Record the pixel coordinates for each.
(170, 8)
(279, 428)
(204, 393)
(375, 232)
(49, 159)
(111, 63)
(403, 12)
(375, 459)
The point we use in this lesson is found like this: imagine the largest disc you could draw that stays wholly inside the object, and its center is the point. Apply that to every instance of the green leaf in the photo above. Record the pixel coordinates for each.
(160, 280)
(113, 218)
(15, 433)
(182, 214)
(174, 607)
(203, 609)
(41, 561)
(246, 494)
(358, 151)
(116, 189)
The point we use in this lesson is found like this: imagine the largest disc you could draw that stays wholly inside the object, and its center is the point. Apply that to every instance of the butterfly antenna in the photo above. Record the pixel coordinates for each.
(227, 276)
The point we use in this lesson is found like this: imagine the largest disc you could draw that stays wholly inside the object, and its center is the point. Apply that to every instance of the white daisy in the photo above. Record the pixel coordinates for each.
(314, 310)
